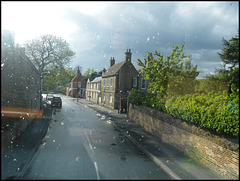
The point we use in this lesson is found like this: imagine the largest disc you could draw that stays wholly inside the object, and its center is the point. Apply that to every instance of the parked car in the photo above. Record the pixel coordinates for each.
(56, 102)
(49, 99)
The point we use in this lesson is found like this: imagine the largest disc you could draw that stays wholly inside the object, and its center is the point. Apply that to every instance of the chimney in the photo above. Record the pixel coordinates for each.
(128, 55)
(112, 61)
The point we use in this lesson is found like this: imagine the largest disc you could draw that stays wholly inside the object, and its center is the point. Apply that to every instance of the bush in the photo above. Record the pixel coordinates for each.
(215, 111)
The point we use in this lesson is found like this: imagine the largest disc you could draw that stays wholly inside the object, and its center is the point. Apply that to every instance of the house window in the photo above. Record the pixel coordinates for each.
(143, 83)
(134, 82)
(111, 83)
(110, 98)
(103, 96)
(79, 84)
(107, 82)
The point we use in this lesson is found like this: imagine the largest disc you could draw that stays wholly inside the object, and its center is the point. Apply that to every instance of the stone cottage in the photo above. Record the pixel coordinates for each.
(20, 90)
(117, 81)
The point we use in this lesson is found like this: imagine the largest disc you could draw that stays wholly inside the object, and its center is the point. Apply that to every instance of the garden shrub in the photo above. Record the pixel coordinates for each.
(216, 111)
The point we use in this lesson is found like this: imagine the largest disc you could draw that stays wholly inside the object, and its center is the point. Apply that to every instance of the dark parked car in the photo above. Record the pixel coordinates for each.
(56, 102)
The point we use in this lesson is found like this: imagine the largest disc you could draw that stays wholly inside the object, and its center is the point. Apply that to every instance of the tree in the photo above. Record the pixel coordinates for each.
(229, 71)
(47, 51)
(89, 72)
(57, 78)
(159, 70)
(230, 52)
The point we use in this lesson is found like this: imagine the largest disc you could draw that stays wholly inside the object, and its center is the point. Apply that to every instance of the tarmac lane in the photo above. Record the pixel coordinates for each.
(87, 141)
(80, 144)
(176, 164)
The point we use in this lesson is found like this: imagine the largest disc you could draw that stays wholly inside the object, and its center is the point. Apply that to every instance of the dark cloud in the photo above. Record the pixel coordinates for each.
(153, 26)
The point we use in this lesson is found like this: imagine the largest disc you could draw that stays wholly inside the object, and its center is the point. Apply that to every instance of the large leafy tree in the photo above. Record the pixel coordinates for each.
(160, 70)
(47, 51)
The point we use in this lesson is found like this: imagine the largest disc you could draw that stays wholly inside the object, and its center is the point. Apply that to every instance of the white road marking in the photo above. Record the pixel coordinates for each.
(96, 168)
(95, 163)
(90, 145)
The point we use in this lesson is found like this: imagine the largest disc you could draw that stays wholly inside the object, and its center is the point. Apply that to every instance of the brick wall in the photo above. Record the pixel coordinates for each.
(20, 88)
(219, 154)
(20, 81)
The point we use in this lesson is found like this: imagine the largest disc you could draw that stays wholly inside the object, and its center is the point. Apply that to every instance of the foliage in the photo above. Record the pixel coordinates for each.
(216, 111)
(57, 78)
(229, 71)
(159, 70)
(139, 97)
(207, 85)
(51, 55)
(48, 51)
(88, 73)
(230, 52)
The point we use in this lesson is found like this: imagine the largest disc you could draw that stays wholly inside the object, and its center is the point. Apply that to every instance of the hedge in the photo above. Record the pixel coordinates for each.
(216, 111)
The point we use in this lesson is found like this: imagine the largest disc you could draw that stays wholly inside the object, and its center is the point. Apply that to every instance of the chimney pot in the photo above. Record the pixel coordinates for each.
(112, 61)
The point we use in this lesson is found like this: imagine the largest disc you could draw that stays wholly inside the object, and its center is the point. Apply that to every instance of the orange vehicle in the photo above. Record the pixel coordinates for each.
(15, 112)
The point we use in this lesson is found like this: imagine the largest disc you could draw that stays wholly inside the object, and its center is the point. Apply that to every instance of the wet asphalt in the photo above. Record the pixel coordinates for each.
(175, 163)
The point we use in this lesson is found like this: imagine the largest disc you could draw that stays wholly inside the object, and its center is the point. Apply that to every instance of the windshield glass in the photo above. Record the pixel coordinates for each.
(119, 90)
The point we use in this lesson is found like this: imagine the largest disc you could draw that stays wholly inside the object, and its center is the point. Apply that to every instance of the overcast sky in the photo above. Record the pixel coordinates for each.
(99, 30)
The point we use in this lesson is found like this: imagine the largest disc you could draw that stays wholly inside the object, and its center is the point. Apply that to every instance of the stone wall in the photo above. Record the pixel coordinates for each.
(20, 88)
(219, 154)
(20, 81)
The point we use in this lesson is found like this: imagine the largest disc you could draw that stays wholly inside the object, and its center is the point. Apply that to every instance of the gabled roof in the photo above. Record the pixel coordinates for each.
(113, 69)
(97, 79)
(77, 75)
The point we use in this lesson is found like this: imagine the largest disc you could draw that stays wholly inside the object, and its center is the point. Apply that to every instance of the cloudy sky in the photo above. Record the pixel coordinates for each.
(99, 30)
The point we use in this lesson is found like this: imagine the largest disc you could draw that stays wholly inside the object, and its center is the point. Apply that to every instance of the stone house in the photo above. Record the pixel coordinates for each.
(117, 81)
(20, 80)
(77, 86)
(20, 91)
(93, 90)
(139, 82)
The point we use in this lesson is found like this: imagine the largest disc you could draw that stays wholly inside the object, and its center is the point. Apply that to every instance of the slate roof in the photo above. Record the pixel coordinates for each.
(97, 79)
(113, 69)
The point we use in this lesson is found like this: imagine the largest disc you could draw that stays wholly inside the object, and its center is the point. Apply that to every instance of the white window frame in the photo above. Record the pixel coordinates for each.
(143, 83)
(111, 82)
(134, 81)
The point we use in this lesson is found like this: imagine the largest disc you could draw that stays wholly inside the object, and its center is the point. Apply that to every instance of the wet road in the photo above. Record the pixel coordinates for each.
(81, 144)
